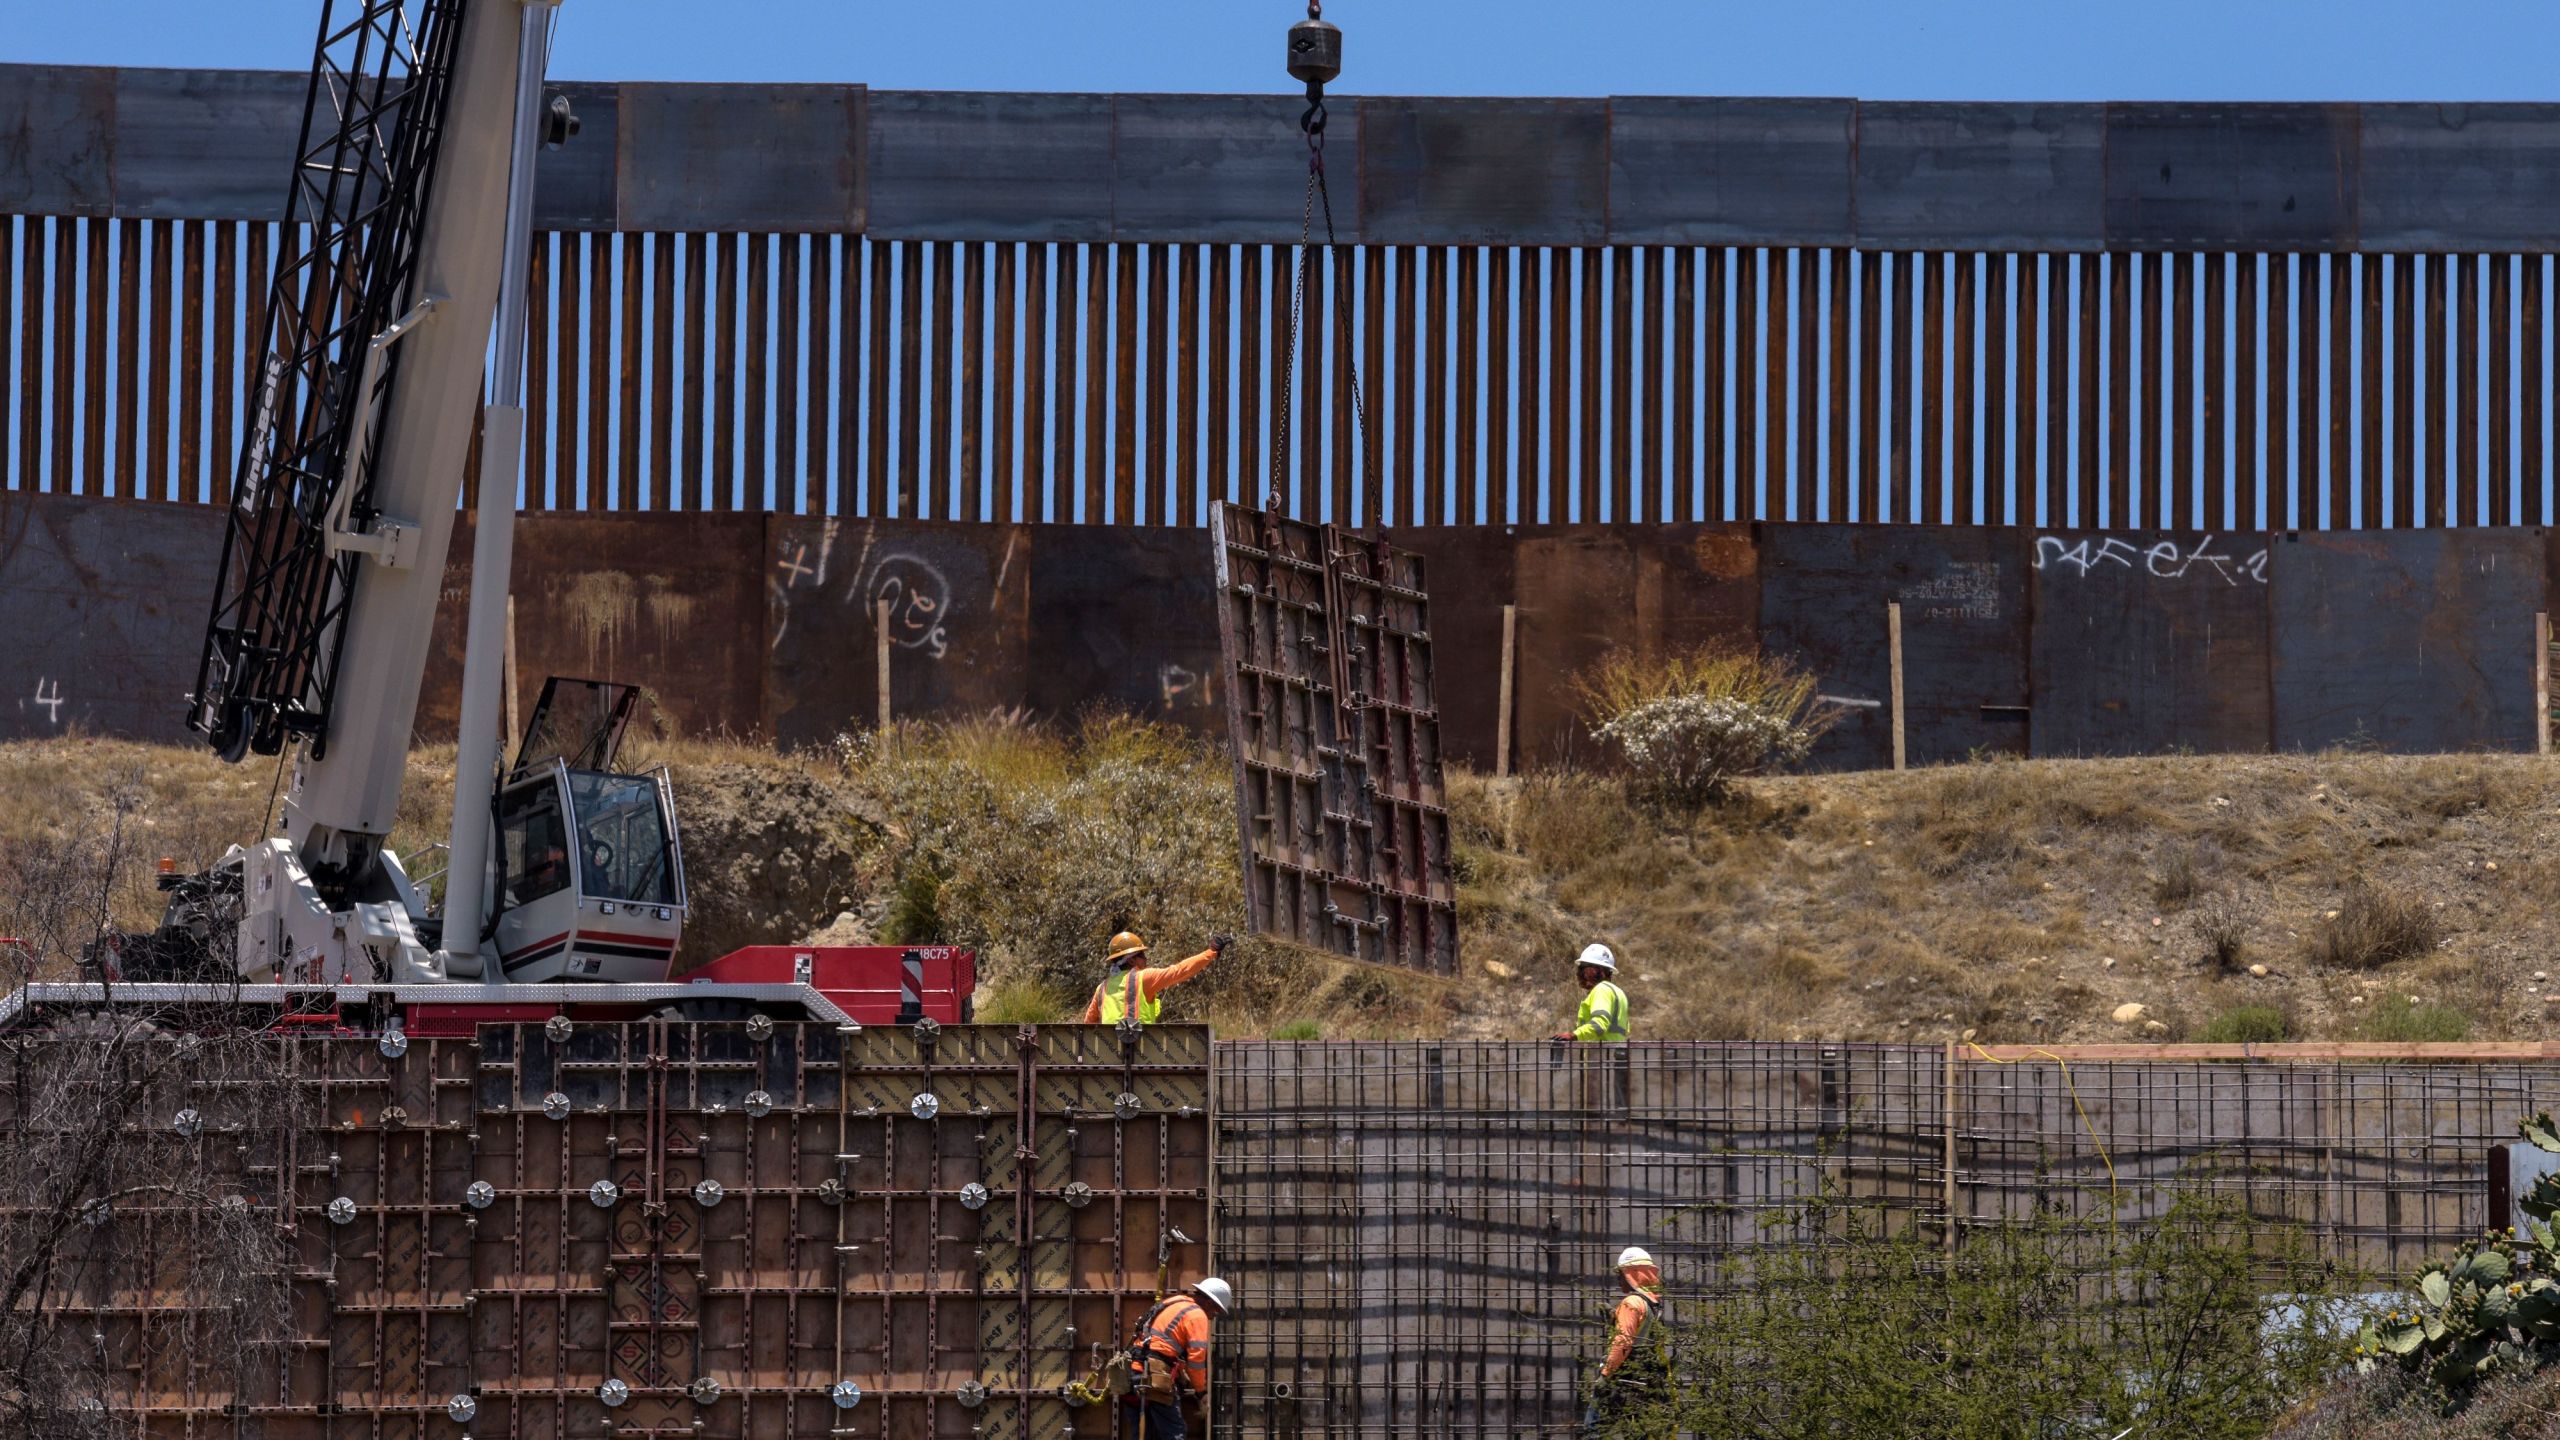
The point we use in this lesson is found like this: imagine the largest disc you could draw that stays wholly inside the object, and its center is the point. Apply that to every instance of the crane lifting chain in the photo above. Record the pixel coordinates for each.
(1315, 56)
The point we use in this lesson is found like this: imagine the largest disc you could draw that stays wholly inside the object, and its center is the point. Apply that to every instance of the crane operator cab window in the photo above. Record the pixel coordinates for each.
(593, 883)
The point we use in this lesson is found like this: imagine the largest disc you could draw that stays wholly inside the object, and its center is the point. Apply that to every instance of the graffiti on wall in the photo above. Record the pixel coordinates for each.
(2165, 559)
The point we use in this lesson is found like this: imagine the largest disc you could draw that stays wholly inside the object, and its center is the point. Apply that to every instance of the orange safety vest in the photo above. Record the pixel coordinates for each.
(1181, 1340)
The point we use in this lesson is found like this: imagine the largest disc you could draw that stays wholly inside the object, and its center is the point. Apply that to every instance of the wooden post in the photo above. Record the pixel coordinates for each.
(1893, 648)
(1951, 1062)
(1502, 716)
(881, 610)
(2541, 683)
(515, 725)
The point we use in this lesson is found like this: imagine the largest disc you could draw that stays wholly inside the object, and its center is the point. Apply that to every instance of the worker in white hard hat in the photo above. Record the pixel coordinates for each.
(1637, 1365)
(1169, 1360)
(1603, 1016)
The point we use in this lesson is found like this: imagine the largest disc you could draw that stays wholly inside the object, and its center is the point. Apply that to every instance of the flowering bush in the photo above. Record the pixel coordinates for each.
(1688, 727)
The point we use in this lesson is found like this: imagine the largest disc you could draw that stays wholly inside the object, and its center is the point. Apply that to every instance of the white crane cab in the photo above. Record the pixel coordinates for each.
(587, 877)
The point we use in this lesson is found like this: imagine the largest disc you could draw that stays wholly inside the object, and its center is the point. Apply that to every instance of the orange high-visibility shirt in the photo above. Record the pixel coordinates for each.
(1178, 1331)
(1152, 983)
(1633, 1312)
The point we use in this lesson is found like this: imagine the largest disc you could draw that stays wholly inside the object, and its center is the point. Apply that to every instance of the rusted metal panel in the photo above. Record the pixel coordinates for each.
(2144, 643)
(2232, 177)
(2417, 640)
(1686, 171)
(1219, 167)
(1964, 596)
(673, 603)
(945, 164)
(959, 600)
(688, 158)
(2466, 177)
(105, 605)
(204, 144)
(1475, 172)
(1587, 590)
(1982, 176)
(1125, 616)
(57, 140)
(1332, 711)
(579, 185)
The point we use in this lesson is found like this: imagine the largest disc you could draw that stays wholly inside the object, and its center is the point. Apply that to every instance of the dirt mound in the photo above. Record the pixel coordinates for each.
(771, 855)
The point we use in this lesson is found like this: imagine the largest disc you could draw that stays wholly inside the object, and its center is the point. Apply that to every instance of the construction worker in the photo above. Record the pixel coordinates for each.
(1169, 1361)
(1637, 1367)
(1129, 990)
(1603, 1016)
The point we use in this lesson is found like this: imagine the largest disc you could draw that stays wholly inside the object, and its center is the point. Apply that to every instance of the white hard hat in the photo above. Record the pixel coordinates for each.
(1598, 955)
(1633, 1256)
(1215, 1291)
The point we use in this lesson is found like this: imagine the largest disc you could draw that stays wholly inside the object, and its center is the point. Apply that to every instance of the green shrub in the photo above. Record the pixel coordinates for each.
(2202, 1324)
(2491, 1310)
(1690, 724)
(2394, 1020)
(914, 916)
(1299, 1030)
(2248, 1025)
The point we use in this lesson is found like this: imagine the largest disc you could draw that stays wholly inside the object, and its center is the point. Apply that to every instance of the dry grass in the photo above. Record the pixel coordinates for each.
(1987, 896)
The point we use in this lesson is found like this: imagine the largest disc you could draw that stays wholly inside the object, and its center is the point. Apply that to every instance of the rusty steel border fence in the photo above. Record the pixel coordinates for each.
(1137, 383)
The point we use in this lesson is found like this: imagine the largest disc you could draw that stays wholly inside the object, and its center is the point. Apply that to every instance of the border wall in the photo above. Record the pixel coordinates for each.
(2015, 641)
(824, 299)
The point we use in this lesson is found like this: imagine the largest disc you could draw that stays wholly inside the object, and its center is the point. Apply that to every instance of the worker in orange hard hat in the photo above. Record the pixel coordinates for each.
(1129, 989)
(1638, 1365)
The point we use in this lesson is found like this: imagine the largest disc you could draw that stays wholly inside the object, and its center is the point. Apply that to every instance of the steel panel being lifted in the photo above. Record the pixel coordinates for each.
(1326, 645)
(661, 1227)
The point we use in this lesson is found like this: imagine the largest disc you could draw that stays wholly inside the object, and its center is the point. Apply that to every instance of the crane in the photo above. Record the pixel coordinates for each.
(413, 194)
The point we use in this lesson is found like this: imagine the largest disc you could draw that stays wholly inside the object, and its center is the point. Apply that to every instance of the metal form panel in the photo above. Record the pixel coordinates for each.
(1981, 176)
(1688, 171)
(2232, 177)
(946, 164)
(1331, 708)
(2143, 644)
(1964, 598)
(2410, 640)
(687, 160)
(1479, 172)
(672, 1228)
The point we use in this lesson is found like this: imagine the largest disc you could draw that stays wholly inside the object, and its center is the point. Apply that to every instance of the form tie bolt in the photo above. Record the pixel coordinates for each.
(971, 1395)
(613, 1393)
(1125, 1105)
(973, 1196)
(759, 1103)
(846, 1394)
(188, 1123)
(462, 1408)
(556, 1105)
(925, 1106)
(341, 1211)
(707, 1193)
(481, 1195)
(759, 1027)
(393, 1044)
(704, 1390)
(604, 1194)
(1077, 1195)
(557, 1027)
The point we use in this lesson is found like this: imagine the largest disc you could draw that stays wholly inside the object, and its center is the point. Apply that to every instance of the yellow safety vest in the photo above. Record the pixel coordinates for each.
(1603, 1016)
(1118, 1000)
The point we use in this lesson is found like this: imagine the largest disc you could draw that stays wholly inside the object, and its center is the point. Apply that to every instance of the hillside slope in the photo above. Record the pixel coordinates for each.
(2384, 896)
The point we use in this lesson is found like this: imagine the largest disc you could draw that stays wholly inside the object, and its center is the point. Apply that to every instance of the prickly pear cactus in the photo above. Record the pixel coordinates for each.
(2489, 1309)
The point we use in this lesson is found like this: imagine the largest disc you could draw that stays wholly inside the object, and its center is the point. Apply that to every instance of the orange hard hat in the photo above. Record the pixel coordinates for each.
(1126, 944)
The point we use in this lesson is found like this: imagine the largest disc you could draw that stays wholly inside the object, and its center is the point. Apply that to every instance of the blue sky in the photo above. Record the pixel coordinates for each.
(1879, 49)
